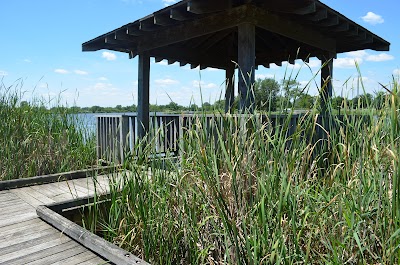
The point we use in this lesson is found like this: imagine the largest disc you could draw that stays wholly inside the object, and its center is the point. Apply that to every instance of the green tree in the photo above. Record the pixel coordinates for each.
(292, 91)
(266, 93)
(337, 102)
(304, 101)
(379, 100)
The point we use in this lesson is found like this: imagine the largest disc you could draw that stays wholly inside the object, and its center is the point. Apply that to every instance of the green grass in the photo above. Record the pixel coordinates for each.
(253, 196)
(35, 141)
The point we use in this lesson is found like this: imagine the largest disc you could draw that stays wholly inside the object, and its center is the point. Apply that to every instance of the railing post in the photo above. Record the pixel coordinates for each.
(124, 136)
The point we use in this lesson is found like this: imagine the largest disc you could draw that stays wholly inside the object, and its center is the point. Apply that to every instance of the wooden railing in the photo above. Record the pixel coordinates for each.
(117, 135)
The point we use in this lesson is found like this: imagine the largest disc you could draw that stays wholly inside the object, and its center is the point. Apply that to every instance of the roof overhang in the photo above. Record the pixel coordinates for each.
(204, 32)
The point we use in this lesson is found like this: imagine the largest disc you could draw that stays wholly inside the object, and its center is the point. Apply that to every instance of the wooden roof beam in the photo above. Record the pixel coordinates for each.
(319, 15)
(332, 20)
(148, 24)
(214, 40)
(163, 19)
(293, 30)
(311, 8)
(187, 30)
(235, 16)
(343, 26)
(171, 61)
(207, 6)
(122, 35)
(180, 15)
(133, 29)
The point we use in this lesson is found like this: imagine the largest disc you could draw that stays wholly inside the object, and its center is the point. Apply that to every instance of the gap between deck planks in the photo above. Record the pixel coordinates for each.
(26, 239)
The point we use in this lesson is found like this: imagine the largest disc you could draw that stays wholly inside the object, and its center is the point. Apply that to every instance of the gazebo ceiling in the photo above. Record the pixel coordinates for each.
(204, 32)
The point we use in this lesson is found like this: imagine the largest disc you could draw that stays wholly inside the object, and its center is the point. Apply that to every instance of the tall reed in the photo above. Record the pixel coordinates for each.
(244, 192)
(35, 141)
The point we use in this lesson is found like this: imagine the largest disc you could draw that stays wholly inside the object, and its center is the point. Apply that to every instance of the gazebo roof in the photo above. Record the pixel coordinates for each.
(204, 32)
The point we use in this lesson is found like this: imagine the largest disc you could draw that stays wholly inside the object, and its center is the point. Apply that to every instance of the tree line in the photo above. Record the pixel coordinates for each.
(269, 94)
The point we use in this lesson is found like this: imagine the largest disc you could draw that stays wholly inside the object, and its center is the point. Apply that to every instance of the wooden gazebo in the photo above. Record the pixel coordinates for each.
(218, 33)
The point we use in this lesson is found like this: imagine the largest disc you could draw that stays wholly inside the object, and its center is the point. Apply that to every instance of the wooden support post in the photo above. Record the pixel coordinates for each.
(247, 61)
(143, 115)
(230, 84)
(326, 80)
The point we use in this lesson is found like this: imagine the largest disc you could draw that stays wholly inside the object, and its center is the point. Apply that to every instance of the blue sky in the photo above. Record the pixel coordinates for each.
(41, 45)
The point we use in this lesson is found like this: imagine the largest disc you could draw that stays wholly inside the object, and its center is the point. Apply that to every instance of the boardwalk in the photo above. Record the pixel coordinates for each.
(26, 239)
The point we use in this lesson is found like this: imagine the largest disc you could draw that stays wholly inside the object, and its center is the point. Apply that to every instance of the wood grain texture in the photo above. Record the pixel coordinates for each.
(26, 239)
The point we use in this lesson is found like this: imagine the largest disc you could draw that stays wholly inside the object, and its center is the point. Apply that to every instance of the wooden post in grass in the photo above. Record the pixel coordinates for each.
(247, 61)
(143, 95)
(326, 80)
(230, 84)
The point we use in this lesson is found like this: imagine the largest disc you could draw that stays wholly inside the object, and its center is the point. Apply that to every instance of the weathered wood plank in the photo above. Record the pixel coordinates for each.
(11, 203)
(16, 209)
(89, 240)
(30, 238)
(95, 261)
(47, 190)
(7, 196)
(25, 236)
(27, 197)
(30, 247)
(22, 226)
(46, 256)
(69, 189)
(76, 259)
(17, 219)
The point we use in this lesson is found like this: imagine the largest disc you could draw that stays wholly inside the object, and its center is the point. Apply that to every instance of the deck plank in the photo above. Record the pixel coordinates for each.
(27, 197)
(37, 195)
(22, 226)
(44, 256)
(76, 259)
(26, 239)
(29, 236)
(18, 218)
(33, 246)
(47, 190)
(95, 261)
(69, 189)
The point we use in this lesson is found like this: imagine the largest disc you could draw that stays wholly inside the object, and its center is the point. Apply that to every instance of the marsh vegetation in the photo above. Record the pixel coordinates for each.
(251, 195)
(36, 141)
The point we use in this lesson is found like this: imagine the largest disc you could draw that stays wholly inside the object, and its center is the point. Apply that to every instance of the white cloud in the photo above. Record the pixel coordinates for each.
(109, 56)
(382, 57)
(360, 56)
(263, 76)
(3, 73)
(103, 78)
(347, 62)
(27, 61)
(209, 69)
(102, 88)
(61, 71)
(169, 2)
(373, 18)
(396, 72)
(357, 54)
(314, 63)
(166, 82)
(202, 84)
(80, 72)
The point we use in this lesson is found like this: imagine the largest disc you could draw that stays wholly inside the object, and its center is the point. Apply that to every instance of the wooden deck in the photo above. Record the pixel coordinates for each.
(26, 239)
